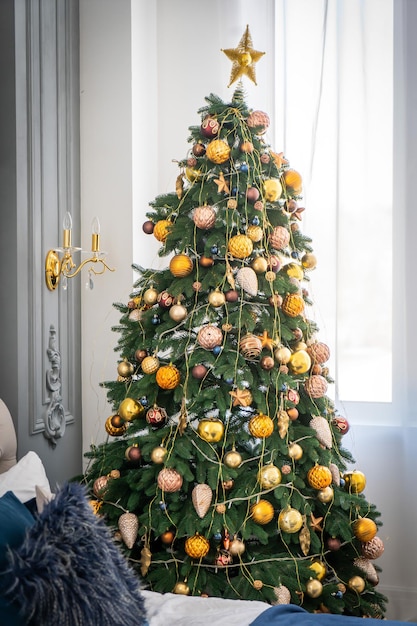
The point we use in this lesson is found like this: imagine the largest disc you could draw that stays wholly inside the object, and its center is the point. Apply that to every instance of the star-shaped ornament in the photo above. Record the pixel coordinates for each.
(267, 341)
(241, 397)
(316, 523)
(222, 184)
(244, 58)
(279, 159)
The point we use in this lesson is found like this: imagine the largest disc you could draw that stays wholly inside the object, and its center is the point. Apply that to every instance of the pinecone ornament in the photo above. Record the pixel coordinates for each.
(128, 526)
(282, 595)
(322, 428)
(201, 497)
(367, 568)
(247, 279)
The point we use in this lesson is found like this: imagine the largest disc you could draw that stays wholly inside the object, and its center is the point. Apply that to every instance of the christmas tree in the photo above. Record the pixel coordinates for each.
(223, 472)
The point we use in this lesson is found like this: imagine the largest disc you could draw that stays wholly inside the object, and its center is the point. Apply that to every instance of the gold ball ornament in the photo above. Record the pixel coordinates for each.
(316, 386)
(218, 151)
(197, 546)
(232, 459)
(169, 480)
(314, 588)
(293, 183)
(150, 364)
(211, 429)
(178, 312)
(130, 409)
(240, 246)
(150, 296)
(259, 265)
(356, 583)
(294, 270)
(181, 588)
(325, 495)
(250, 346)
(269, 476)
(272, 190)
(204, 217)
(246, 147)
(262, 512)
(181, 265)
(364, 529)
(168, 377)
(162, 229)
(216, 298)
(209, 337)
(192, 174)
(319, 477)
(113, 429)
(308, 261)
(255, 233)
(293, 304)
(261, 426)
(299, 362)
(355, 481)
(282, 355)
(295, 451)
(158, 455)
(125, 368)
(290, 520)
(319, 568)
(279, 238)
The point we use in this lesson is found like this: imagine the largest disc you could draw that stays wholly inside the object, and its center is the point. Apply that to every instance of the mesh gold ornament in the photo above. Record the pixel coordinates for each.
(168, 377)
(261, 426)
(161, 230)
(218, 151)
(293, 304)
(319, 477)
(197, 546)
(240, 246)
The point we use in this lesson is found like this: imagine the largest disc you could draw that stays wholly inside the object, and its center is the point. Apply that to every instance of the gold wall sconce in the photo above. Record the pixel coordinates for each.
(59, 269)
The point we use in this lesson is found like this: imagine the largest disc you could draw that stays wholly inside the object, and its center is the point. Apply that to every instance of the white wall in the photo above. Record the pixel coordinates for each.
(145, 70)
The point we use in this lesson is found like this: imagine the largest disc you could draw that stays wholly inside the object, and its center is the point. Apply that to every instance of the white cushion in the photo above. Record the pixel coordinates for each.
(23, 478)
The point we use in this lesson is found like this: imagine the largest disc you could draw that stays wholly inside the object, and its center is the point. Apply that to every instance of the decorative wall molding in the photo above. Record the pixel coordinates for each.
(55, 412)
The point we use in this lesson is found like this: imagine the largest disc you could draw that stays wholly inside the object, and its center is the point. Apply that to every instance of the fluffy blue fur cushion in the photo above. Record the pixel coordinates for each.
(69, 571)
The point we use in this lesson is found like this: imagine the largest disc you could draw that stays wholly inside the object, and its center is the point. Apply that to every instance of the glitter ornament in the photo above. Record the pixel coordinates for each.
(209, 336)
(373, 549)
(181, 265)
(247, 279)
(319, 477)
(279, 238)
(364, 529)
(161, 230)
(261, 426)
(255, 233)
(323, 432)
(240, 246)
(150, 364)
(262, 512)
(204, 217)
(290, 520)
(218, 151)
(168, 377)
(169, 480)
(316, 386)
(293, 304)
(250, 346)
(211, 429)
(201, 497)
(335, 472)
(197, 546)
(128, 525)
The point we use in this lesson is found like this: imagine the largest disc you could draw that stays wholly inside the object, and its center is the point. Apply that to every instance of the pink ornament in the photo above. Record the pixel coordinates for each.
(252, 194)
(209, 337)
(258, 120)
(373, 549)
(279, 238)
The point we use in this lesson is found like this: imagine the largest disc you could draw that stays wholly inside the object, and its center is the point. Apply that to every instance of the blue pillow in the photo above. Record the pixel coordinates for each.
(15, 520)
(69, 570)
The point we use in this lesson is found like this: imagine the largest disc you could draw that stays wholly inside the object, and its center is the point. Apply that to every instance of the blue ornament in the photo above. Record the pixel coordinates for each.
(229, 381)
(162, 506)
(214, 249)
(256, 221)
(217, 350)
(294, 254)
(342, 482)
(284, 387)
(244, 167)
(144, 401)
(338, 595)
(234, 191)
(156, 320)
(217, 536)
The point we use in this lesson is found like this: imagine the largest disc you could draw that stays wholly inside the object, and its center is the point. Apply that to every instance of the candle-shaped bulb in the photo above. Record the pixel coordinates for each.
(67, 226)
(95, 235)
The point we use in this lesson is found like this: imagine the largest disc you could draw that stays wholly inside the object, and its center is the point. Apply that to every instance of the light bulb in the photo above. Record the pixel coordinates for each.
(67, 226)
(95, 236)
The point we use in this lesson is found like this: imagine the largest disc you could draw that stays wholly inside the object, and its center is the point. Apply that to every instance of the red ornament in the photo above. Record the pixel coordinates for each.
(232, 295)
(148, 227)
(210, 127)
(165, 300)
(199, 371)
(341, 424)
(156, 416)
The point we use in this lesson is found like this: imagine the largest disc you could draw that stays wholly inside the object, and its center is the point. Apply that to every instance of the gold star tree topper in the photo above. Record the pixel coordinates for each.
(244, 58)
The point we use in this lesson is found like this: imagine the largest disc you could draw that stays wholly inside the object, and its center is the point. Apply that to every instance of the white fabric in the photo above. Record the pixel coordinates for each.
(23, 478)
(170, 609)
